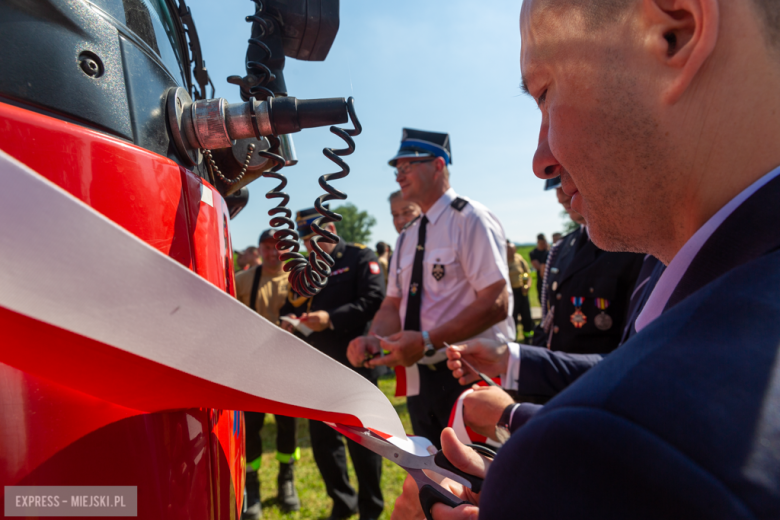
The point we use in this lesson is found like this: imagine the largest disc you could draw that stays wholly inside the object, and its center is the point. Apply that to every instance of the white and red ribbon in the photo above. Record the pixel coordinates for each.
(97, 310)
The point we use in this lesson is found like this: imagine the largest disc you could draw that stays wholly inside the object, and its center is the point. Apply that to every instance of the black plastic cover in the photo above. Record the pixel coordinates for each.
(290, 115)
(237, 201)
(309, 26)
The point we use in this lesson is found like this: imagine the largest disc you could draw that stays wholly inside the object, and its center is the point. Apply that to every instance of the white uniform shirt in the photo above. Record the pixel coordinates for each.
(470, 245)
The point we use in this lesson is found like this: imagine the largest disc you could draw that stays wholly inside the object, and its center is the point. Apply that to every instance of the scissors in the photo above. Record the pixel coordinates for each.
(416, 465)
(471, 367)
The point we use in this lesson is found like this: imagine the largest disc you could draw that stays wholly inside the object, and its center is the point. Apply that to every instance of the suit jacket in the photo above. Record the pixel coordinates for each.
(683, 421)
(580, 269)
(352, 296)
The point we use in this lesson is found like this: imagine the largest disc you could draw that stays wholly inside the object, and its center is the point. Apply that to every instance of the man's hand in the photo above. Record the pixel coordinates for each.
(483, 407)
(316, 321)
(407, 506)
(361, 348)
(405, 348)
(286, 325)
(488, 356)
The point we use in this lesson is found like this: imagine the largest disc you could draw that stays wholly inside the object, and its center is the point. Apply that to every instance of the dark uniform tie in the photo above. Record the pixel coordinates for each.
(412, 321)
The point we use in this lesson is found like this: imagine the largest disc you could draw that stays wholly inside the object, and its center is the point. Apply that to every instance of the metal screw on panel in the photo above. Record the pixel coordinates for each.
(91, 65)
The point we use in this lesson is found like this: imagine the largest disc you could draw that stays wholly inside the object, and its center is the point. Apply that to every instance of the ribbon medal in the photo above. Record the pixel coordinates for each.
(578, 319)
(603, 321)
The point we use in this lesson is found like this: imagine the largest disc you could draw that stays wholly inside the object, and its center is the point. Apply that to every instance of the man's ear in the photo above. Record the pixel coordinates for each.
(682, 35)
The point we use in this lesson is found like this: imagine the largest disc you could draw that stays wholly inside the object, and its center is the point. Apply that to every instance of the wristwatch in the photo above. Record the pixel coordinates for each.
(502, 426)
(429, 348)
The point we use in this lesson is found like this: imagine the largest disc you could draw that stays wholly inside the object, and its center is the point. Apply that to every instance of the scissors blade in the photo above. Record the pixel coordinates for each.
(388, 450)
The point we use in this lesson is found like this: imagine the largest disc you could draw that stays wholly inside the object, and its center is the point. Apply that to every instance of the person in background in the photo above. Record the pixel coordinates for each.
(403, 211)
(520, 277)
(586, 292)
(448, 282)
(248, 258)
(538, 257)
(556, 238)
(383, 254)
(263, 288)
(340, 312)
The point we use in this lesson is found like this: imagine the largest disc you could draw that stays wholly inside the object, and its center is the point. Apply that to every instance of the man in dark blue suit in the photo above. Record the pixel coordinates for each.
(662, 118)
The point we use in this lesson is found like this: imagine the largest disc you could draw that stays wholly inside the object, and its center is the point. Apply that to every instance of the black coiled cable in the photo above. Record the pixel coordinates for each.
(289, 243)
(307, 278)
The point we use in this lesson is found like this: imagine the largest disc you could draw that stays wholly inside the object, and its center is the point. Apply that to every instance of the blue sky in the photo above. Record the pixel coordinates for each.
(443, 66)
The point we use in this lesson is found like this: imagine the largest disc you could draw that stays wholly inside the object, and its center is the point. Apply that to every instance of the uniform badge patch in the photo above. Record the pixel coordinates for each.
(438, 272)
(374, 268)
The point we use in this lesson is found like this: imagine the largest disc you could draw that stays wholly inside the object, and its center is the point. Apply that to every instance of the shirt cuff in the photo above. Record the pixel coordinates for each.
(509, 380)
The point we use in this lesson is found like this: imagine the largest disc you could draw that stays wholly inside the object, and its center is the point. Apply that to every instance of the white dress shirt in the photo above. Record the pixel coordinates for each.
(470, 246)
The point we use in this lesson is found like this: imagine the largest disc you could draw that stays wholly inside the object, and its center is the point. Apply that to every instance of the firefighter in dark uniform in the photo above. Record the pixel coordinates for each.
(340, 312)
(586, 292)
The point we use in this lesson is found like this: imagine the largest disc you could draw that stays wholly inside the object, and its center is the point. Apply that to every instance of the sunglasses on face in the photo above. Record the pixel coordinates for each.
(404, 168)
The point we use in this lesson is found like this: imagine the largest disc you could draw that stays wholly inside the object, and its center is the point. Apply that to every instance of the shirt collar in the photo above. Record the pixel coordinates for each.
(438, 207)
(676, 269)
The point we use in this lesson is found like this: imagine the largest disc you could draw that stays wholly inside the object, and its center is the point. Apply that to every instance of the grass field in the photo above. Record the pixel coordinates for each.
(315, 503)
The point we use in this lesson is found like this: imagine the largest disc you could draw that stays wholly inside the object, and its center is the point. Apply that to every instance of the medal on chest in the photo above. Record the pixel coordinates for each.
(578, 319)
(603, 321)
(438, 272)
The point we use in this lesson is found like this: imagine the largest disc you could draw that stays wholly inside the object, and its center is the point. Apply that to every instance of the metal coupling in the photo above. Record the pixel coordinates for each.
(213, 124)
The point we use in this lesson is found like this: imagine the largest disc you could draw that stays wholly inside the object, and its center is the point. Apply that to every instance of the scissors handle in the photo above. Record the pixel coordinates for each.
(443, 462)
(429, 495)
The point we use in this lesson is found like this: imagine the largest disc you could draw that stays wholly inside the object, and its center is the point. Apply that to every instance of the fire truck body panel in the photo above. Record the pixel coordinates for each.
(186, 464)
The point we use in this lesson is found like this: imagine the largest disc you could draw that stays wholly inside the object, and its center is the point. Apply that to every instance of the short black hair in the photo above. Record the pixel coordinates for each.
(381, 248)
(541, 236)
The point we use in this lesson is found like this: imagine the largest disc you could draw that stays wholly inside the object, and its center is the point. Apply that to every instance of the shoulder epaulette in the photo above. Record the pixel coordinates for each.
(415, 219)
(355, 244)
(458, 204)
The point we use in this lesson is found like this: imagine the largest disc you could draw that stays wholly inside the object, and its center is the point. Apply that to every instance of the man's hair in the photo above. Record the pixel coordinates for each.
(597, 13)
(381, 248)
(541, 236)
(769, 13)
(395, 195)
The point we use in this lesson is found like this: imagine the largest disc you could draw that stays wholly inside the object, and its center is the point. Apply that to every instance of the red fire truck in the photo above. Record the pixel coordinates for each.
(107, 99)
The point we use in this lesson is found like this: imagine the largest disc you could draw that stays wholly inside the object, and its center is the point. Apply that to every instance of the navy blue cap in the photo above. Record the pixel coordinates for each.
(419, 143)
(304, 219)
(268, 234)
(551, 184)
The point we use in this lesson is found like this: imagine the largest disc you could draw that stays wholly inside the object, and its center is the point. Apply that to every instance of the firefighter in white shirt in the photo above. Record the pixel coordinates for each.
(448, 281)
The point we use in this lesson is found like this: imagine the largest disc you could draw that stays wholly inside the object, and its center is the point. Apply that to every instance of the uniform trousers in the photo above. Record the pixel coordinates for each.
(286, 435)
(430, 409)
(523, 311)
(327, 446)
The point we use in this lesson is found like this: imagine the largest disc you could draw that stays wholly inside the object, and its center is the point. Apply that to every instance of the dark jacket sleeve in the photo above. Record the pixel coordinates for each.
(370, 293)
(545, 372)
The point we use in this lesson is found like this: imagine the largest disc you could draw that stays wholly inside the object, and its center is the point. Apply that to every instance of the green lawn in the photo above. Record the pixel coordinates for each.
(314, 502)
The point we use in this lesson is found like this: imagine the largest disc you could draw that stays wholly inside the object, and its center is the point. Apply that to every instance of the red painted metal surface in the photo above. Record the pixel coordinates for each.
(187, 464)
